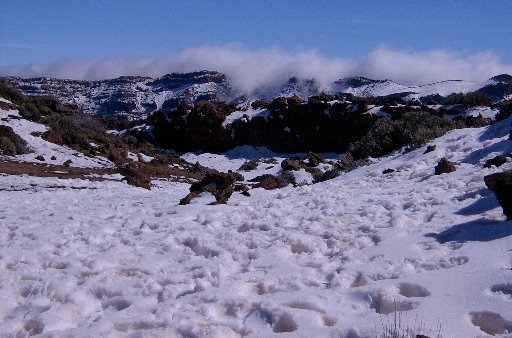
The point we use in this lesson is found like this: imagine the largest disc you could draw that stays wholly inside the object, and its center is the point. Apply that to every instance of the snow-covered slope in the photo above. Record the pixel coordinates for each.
(366, 87)
(335, 259)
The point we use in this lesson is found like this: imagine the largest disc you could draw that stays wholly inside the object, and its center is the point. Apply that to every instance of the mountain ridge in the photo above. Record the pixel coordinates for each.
(140, 95)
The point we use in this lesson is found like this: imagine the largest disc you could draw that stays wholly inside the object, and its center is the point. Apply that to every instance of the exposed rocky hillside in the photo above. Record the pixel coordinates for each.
(129, 94)
(324, 123)
(138, 96)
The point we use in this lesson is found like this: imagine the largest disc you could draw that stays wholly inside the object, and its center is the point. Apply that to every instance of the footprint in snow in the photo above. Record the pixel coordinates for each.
(385, 304)
(502, 289)
(491, 323)
(409, 290)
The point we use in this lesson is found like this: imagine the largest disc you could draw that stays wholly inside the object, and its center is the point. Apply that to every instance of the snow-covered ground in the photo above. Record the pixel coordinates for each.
(335, 259)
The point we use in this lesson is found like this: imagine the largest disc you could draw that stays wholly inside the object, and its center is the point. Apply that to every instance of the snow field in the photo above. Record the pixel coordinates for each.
(334, 259)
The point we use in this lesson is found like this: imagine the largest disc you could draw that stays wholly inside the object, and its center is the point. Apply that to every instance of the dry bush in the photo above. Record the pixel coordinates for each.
(396, 328)
(11, 143)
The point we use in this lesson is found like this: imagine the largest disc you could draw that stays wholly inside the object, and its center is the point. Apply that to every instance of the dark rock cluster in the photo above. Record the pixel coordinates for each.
(501, 185)
(220, 185)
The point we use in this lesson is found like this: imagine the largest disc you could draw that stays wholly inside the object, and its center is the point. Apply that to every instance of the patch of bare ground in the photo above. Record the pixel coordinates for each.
(97, 174)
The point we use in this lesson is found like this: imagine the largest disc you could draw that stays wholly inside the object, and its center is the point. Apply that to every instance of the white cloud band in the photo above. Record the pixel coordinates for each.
(249, 69)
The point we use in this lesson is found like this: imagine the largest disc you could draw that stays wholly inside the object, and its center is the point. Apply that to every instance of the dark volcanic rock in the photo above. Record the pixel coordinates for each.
(269, 182)
(249, 165)
(291, 163)
(430, 148)
(496, 161)
(346, 162)
(134, 176)
(501, 185)
(444, 166)
(328, 175)
(243, 189)
(220, 185)
(314, 159)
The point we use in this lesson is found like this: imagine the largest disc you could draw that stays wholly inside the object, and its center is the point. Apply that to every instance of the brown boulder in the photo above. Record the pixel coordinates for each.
(444, 166)
(496, 161)
(314, 159)
(430, 148)
(501, 185)
(135, 176)
(346, 162)
(291, 164)
(269, 182)
(220, 185)
(249, 165)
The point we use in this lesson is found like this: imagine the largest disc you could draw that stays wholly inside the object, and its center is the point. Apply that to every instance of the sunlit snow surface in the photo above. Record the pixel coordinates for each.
(334, 259)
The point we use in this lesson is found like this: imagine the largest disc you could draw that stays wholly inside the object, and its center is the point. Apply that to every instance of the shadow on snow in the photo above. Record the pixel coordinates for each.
(480, 230)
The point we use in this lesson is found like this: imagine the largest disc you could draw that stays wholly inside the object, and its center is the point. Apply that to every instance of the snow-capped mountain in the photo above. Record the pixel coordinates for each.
(141, 95)
(497, 88)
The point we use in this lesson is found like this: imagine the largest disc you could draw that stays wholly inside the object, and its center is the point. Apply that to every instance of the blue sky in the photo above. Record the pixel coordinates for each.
(34, 32)
(42, 31)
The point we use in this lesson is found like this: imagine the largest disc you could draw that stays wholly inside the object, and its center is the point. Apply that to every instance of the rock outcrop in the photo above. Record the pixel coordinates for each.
(220, 185)
(444, 167)
(430, 148)
(501, 185)
(496, 161)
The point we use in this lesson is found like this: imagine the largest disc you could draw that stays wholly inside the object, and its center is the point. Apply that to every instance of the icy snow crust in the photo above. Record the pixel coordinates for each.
(335, 259)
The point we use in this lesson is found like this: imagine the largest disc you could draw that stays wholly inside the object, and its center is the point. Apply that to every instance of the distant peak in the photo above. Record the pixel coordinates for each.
(358, 81)
(505, 78)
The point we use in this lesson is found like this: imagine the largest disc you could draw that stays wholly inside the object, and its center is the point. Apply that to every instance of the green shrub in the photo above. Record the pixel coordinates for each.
(472, 99)
(71, 134)
(413, 130)
(7, 147)
(11, 143)
(505, 111)
(9, 92)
